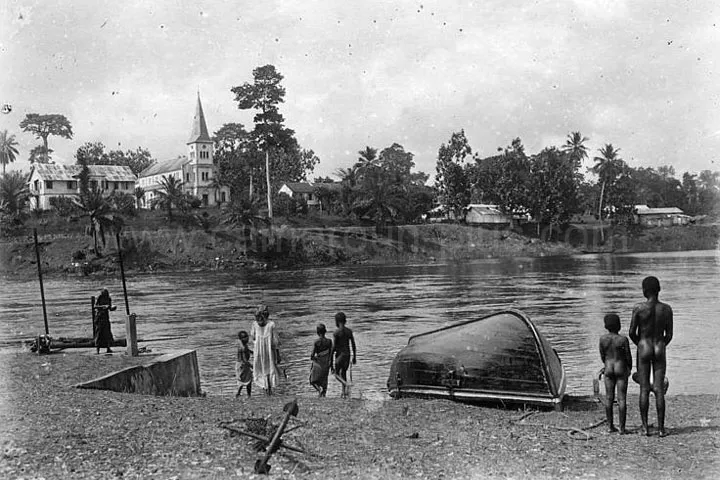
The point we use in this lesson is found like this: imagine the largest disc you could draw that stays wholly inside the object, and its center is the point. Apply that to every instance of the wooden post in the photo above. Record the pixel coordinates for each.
(122, 274)
(92, 314)
(131, 334)
(42, 289)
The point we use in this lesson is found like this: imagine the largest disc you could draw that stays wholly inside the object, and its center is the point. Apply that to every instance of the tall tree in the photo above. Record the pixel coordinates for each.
(8, 149)
(42, 126)
(575, 147)
(451, 180)
(285, 160)
(511, 186)
(264, 96)
(552, 187)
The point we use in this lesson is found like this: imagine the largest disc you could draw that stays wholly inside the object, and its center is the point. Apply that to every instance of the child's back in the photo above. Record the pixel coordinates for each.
(615, 353)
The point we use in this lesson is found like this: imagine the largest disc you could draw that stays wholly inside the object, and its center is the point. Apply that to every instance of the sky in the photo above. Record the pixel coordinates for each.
(641, 75)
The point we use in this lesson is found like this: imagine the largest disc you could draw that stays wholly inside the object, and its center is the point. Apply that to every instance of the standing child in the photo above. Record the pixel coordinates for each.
(616, 356)
(243, 367)
(266, 351)
(342, 339)
(321, 361)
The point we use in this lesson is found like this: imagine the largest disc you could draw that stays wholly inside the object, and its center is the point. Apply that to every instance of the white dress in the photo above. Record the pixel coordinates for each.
(265, 341)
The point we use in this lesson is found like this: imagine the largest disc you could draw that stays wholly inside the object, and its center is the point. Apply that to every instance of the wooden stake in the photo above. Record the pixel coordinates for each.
(42, 289)
(92, 314)
(122, 274)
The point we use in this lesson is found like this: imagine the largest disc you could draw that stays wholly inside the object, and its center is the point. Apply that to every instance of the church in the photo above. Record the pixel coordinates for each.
(197, 170)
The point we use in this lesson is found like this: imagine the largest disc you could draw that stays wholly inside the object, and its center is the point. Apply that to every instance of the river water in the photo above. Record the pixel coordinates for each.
(566, 297)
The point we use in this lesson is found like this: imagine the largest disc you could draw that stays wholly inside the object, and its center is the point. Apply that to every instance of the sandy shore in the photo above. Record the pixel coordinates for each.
(52, 430)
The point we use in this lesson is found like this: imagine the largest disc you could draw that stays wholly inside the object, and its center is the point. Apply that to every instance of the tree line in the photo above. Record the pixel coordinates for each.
(550, 187)
(382, 186)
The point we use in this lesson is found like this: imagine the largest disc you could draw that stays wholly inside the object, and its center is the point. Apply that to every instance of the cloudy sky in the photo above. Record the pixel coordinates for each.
(636, 74)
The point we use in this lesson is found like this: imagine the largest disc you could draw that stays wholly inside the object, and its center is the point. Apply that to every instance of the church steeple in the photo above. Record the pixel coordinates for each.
(199, 129)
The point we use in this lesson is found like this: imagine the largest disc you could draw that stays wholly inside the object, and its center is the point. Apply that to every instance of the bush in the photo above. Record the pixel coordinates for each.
(64, 206)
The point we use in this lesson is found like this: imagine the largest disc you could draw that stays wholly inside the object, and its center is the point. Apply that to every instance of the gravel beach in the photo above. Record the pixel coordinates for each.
(52, 430)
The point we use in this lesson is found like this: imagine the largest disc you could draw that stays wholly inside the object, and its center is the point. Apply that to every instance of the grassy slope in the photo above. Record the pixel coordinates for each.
(51, 430)
(151, 244)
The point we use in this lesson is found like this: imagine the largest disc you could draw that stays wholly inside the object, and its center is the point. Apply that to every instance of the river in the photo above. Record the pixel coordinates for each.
(566, 297)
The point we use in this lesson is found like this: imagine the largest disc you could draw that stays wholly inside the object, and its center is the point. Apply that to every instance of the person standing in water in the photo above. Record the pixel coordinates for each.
(321, 361)
(266, 350)
(651, 329)
(103, 336)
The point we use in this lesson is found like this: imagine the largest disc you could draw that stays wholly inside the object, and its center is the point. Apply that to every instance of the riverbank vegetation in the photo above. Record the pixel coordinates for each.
(544, 194)
(52, 430)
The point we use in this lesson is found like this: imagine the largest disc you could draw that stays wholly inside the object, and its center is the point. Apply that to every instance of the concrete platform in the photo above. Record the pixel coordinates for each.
(174, 373)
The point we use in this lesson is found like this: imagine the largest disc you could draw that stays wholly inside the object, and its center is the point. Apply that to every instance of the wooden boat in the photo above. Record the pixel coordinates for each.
(498, 358)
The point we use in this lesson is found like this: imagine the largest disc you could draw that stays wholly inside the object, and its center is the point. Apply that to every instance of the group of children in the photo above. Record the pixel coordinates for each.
(260, 364)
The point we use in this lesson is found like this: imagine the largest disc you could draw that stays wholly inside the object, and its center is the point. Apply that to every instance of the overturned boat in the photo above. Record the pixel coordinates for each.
(499, 358)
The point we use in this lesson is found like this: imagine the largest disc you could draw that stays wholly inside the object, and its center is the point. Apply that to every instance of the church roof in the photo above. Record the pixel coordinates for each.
(166, 166)
(199, 128)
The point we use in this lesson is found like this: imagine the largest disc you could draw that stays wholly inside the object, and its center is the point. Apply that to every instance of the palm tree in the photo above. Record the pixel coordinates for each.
(8, 152)
(377, 197)
(606, 168)
(14, 195)
(368, 159)
(100, 214)
(575, 147)
(347, 176)
(171, 193)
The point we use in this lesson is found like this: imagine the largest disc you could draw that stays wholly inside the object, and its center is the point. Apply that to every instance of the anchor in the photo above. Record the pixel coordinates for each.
(261, 465)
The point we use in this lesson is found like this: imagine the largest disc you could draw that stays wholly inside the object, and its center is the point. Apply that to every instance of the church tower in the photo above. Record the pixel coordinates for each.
(200, 169)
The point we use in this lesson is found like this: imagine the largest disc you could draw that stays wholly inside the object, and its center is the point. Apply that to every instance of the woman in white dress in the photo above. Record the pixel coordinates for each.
(266, 351)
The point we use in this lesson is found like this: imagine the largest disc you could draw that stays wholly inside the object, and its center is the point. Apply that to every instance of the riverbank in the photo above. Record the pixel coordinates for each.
(261, 249)
(291, 247)
(54, 431)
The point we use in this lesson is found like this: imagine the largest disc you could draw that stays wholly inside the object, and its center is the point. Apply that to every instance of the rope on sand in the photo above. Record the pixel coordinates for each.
(570, 431)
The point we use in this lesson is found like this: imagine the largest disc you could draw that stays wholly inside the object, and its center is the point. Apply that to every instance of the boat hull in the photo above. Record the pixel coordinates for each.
(500, 358)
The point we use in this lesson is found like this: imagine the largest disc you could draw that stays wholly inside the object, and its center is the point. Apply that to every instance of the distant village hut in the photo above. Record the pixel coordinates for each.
(486, 215)
(659, 217)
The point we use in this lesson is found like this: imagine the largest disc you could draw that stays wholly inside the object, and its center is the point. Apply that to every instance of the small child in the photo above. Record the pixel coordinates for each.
(617, 359)
(243, 366)
(321, 361)
(342, 340)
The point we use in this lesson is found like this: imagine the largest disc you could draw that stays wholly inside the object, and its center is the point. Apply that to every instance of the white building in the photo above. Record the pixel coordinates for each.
(196, 171)
(51, 180)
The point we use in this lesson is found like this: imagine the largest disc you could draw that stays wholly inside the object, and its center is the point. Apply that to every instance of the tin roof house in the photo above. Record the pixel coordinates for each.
(660, 217)
(50, 181)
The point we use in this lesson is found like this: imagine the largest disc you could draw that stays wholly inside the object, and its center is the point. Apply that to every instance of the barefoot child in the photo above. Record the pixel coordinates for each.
(243, 367)
(321, 361)
(616, 356)
(342, 340)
